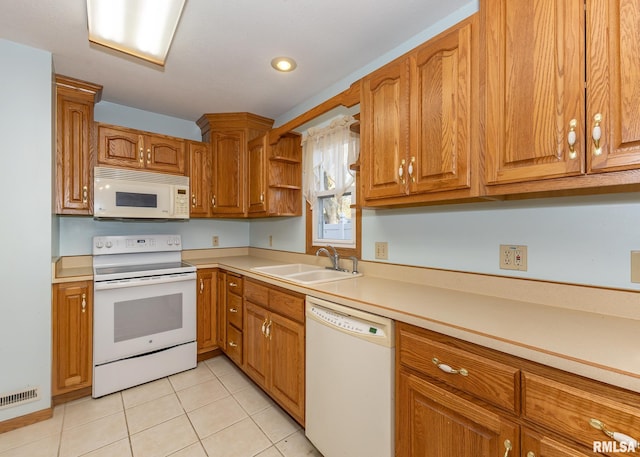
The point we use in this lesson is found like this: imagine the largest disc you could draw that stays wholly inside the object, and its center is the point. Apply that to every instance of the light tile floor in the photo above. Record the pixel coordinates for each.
(213, 410)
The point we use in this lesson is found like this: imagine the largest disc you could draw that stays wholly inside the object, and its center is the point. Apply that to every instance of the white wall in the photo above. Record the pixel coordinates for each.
(25, 181)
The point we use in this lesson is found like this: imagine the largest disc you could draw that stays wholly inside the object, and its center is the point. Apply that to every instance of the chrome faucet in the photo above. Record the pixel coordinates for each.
(354, 259)
(334, 257)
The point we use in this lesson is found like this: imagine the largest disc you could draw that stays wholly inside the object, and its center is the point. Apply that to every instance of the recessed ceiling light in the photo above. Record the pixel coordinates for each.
(284, 64)
(142, 28)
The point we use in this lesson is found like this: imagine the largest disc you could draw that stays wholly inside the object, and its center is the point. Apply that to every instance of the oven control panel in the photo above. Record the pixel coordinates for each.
(136, 243)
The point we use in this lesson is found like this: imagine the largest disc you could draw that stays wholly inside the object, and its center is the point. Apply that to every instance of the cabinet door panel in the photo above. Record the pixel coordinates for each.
(432, 421)
(72, 336)
(255, 343)
(199, 177)
(544, 446)
(442, 113)
(120, 148)
(207, 309)
(228, 169)
(164, 154)
(286, 348)
(385, 130)
(535, 87)
(256, 164)
(613, 72)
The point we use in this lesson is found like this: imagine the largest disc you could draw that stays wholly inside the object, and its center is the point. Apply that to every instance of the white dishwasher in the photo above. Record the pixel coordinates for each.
(349, 381)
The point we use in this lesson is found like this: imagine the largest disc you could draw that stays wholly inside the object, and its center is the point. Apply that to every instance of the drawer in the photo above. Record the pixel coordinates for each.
(487, 379)
(256, 293)
(234, 310)
(234, 284)
(287, 304)
(234, 344)
(568, 409)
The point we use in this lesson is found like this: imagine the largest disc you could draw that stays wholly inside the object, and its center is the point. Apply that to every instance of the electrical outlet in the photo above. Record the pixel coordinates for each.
(270, 240)
(382, 250)
(215, 241)
(513, 257)
(635, 266)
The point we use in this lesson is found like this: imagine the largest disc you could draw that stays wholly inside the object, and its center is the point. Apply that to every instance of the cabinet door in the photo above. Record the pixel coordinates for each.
(442, 112)
(287, 366)
(221, 310)
(256, 164)
(74, 155)
(207, 310)
(613, 77)
(537, 445)
(72, 336)
(199, 177)
(534, 58)
(255, 342)
(164, 154)
(384, 135)
(120, 148)
(229, 172)
(431, 421)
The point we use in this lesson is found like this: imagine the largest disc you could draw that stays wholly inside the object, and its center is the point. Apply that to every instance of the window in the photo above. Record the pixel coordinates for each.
(330, 187)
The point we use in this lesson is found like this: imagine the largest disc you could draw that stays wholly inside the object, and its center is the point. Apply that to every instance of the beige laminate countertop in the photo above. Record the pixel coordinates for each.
(588, 331)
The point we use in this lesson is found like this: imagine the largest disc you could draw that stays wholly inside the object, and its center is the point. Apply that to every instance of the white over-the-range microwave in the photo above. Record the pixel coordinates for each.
(132, 194)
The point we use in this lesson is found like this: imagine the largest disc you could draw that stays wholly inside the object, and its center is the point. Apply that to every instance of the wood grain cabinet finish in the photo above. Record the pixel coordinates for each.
(541, 122)
(418, 121)
(75, 145)
(275, 176)
(274, 344)
(72, 318)
(229, 135)
(541, 411)
(128, 148)
(206, 303)
(233, 317)
(199, 172)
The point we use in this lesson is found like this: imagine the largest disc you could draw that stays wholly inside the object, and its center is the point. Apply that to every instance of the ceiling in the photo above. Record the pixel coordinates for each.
(220, 57)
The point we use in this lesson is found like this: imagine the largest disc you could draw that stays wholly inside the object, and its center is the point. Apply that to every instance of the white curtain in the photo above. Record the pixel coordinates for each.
(327, 153)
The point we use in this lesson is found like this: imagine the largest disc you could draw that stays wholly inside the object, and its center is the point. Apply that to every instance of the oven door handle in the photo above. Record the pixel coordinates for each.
(147, 281)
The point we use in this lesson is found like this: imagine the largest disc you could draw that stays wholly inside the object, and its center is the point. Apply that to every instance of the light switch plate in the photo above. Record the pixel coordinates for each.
(382, 250)
(513, 257)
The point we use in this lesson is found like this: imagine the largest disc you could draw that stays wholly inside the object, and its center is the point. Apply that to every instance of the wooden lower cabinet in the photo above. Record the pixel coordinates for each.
(72, 318)
(207, 300)
(432, 421)
(274, 345)
(536, 444)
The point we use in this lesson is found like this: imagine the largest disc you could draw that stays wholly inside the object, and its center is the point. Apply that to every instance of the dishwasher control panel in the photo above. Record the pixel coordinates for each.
(349, 323)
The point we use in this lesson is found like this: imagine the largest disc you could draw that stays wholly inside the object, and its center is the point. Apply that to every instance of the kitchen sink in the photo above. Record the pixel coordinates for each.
(305, 274)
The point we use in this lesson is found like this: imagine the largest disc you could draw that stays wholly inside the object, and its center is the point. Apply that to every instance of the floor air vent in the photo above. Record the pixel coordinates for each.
(19, 397)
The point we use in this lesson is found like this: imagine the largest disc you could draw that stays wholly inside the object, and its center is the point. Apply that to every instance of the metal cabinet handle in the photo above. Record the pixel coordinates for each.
(264, 326)
(233, 284)
(448, 369)
(85, 194)
(401, 171)
(201, 285)
(148, 156)
(508, 447)
(617, 436)
(410, 169)
(84, 303)
(596, 134)
(531, 454)
(232, 344)
(571, 139)
(213, 201)
(262, 197)
(268, 332)
(193, 200)
(233, 310)
(141, 155)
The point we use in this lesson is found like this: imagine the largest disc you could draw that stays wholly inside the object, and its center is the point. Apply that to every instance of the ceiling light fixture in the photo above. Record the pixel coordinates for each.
(284, 64)
(142, 28)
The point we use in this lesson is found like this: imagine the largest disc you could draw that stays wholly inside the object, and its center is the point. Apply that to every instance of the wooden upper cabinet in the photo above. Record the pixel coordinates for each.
(229, 135)
(129, 148)
(534, 89)
(613, 78)
(199, 177)
(418, 120)
(384, 140)
(75, 150)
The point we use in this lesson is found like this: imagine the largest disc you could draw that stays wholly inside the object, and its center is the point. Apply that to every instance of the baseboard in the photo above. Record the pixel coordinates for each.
(27, 419)
(70, 396)
(209, 354)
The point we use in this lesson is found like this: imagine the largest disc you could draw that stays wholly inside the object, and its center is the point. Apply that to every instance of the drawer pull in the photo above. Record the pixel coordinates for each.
(508, 447)
(530, 454)
(268, 333)
(232, 344)
(596, 134)
(233, 284)
(571, 139)
(264, 326)
(448, 369)
(233, 310)
(619, 437)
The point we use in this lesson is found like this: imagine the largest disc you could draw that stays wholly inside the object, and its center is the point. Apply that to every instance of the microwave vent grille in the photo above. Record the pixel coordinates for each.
(139, 176)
